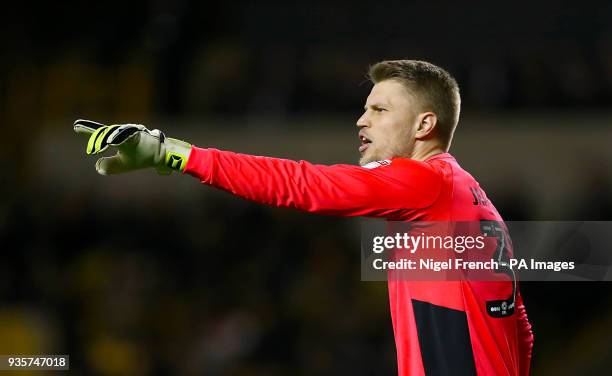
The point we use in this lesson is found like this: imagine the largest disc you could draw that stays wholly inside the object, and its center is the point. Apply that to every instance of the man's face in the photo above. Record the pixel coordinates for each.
(387, 127)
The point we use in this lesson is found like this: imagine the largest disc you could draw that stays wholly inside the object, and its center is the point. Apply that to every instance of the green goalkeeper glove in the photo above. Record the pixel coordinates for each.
(137, 148)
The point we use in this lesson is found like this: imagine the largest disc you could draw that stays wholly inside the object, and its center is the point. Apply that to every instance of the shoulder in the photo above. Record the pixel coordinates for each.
(406, 170)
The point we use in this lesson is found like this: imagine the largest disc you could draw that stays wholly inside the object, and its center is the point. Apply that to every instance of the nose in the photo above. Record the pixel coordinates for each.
(363, 122)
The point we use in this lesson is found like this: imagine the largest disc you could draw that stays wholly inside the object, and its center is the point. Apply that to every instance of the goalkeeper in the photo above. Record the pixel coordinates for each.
(405, 173)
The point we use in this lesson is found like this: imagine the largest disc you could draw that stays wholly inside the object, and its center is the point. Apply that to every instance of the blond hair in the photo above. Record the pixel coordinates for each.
(433, 88)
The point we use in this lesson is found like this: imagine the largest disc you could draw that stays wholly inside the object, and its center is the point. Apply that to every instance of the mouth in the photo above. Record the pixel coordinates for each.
(365, 143)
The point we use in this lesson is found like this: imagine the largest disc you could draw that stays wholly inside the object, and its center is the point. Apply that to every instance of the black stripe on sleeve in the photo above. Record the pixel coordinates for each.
(444, 339)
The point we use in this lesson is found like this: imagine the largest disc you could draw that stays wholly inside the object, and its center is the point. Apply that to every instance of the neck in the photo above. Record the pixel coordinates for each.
(422, 152)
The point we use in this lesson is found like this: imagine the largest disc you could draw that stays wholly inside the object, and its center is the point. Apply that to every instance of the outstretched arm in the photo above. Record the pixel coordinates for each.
(391, 189)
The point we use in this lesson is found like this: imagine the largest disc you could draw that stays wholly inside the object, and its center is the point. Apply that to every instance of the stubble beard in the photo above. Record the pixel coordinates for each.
(397, 150)
(368, 156)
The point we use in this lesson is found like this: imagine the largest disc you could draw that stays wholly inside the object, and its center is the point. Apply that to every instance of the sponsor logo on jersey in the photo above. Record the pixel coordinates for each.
(376, 164)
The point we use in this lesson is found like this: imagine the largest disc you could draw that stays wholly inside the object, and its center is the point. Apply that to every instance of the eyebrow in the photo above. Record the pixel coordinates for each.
(376, 104)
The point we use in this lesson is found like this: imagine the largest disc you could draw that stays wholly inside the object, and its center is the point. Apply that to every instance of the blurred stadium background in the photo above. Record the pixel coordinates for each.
(148, 275)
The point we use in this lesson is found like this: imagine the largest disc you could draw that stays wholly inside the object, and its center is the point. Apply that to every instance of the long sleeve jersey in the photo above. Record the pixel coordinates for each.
(440, 327)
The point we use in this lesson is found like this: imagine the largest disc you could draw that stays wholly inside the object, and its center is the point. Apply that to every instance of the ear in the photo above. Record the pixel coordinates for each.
(427, 122)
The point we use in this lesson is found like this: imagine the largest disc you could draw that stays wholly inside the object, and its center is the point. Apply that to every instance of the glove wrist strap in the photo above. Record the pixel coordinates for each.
(176, 154)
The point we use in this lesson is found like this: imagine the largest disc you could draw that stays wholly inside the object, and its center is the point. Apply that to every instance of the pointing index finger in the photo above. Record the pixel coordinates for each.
(86, 126)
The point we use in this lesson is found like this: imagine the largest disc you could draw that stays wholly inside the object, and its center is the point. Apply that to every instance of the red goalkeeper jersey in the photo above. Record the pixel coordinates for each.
(441, 327)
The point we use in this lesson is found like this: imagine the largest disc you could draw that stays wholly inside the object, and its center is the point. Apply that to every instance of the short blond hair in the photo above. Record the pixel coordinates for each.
(434, 89)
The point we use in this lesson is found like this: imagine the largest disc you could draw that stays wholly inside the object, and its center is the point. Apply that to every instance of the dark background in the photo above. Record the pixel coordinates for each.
(148, 275)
